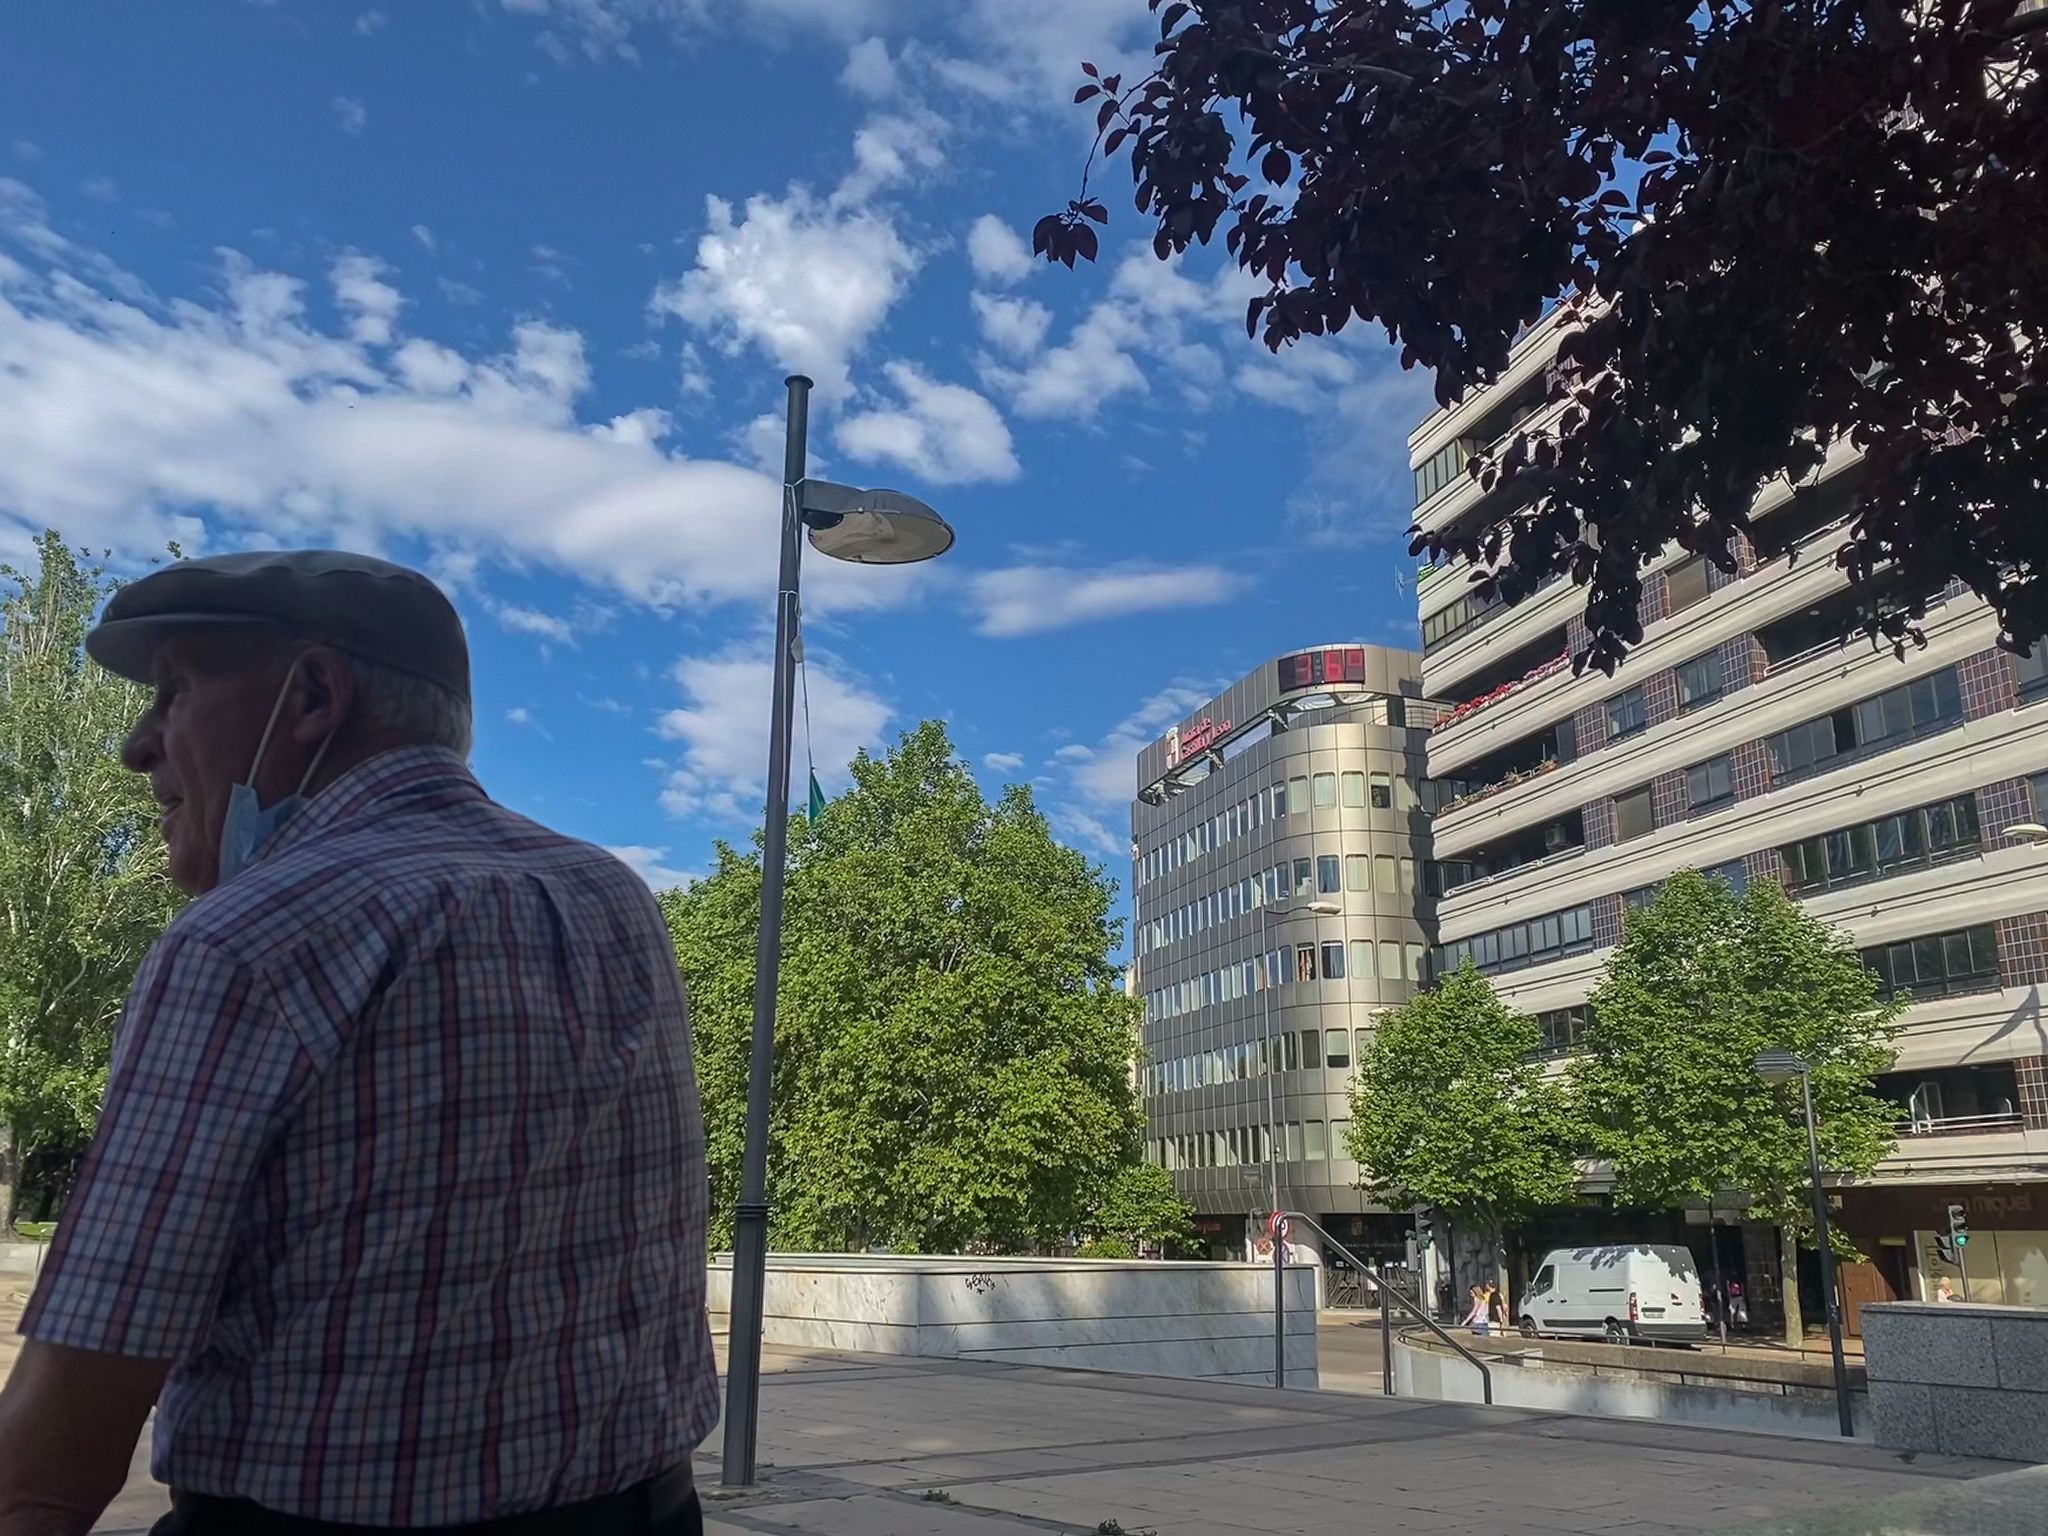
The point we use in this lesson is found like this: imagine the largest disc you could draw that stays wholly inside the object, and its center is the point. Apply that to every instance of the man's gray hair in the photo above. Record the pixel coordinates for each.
(422, 713)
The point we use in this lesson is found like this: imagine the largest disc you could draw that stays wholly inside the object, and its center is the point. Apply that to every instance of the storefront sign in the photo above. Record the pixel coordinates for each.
(1185, 741)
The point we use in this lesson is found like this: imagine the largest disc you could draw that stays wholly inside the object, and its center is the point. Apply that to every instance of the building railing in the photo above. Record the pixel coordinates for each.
(1555, 857)
(1529, 679)
(1961, 1125)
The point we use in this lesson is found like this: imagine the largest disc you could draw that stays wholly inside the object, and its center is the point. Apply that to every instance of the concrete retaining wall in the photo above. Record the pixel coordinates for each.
(1423, 1370)
(1204, 1321)
(1965, 1379)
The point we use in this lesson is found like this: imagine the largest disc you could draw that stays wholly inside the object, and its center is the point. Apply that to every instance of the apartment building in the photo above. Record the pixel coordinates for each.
(1279, 845)
(1743, 739)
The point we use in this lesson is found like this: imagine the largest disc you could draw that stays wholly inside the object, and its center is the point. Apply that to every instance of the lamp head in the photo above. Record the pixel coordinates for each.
(872, 527)
(1780, 1066)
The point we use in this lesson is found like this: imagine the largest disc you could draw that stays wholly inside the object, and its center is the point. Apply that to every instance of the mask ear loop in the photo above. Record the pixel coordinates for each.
(263, 744)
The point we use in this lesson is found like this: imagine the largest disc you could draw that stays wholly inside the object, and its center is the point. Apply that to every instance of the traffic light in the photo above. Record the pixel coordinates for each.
(1958, 1225)
(1945, 1250)
(1425, 1231)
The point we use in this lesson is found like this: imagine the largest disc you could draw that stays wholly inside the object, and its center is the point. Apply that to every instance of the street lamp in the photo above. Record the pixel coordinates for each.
(868, 528)
(1782, 1067)
(1266, 914)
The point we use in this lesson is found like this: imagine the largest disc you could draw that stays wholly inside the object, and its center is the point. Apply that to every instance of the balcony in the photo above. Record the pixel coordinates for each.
(1514, 852)
(1491, 686)
(1993, 1124)
(1955, 1101)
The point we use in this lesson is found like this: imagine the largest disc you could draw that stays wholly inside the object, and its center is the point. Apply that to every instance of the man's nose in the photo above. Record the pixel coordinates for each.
(143, 749)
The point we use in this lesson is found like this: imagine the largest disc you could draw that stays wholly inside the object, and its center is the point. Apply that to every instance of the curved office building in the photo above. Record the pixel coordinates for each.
(1280, 888)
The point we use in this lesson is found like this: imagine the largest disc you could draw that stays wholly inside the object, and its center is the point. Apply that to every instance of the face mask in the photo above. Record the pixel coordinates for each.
(248, 823)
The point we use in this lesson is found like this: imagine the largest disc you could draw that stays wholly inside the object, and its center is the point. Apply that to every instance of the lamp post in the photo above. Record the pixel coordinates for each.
(1266, 914)
(1782, 1067)
(867, 528)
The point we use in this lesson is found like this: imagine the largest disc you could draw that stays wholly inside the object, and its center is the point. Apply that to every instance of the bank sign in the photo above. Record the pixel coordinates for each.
(1185, 741)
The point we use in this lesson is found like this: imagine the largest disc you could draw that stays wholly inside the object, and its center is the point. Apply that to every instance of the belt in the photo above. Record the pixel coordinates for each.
(644, 1506)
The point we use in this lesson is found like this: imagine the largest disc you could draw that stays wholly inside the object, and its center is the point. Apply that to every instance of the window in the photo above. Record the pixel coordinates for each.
(1405, 798)
(1279, 801)
(1407, 868)
(1304, 877)
(1711, 782)
(1385, 877)
(1361, 959)
(1535, 942)
(2031, 671)
(1963, 961)
(1297, 797)
(1326, 791)
(1311, 1048)
(1897, 715)
(1687, 583)
(1304, 962)
(1561, 1029)
(1318, 1146)
(1640, 897)
(1625, 714)
(1333, 960)
(1294, 1141)
(1357, 872)
(1390, 960)
(1329, 874)
(1382, 792)
(1337, 1048)
(1447, 464)
(1633, 814)
(1340, 1136)
(1290, 1054)
(1417, 958)
(1912, 839)
(1699, 681)
(1364, 1037)
(1354, 790)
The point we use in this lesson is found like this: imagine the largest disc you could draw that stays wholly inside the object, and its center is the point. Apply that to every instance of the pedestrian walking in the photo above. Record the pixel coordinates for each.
(396, 1210)
(1476, 1319)
(1497, 1308)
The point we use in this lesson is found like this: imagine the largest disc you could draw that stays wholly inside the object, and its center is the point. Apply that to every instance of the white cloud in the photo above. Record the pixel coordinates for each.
(459, 293)
(1016, 326)
(651, 865)
(806, 282)
(351, 114)
(944, 433)
(27, 151)
(889, 150)
(1075, 379)
(998, 253)
(1093, 780)
(519, 715)
(425, 236)
(869, 71)
(604, 29)
(531, 621)
(126, 420)
(101, 189)
(1028, 599)
(723, 728)
(371, 304)
(371, 21)
(1002, 762)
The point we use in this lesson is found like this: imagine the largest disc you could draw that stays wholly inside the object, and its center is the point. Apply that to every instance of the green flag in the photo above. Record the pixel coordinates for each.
(817, 805)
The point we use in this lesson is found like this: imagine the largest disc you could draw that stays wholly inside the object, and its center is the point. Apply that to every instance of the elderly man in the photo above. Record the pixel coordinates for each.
(396, 1213)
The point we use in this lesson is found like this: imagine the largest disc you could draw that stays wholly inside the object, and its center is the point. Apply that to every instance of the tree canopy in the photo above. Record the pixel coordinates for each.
(953, 1049)
(1450, 1108)
(1776, 226)
(1702, 982)
(84, 887)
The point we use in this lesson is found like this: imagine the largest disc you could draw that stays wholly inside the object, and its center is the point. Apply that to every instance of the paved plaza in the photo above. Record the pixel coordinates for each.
(865, 1445)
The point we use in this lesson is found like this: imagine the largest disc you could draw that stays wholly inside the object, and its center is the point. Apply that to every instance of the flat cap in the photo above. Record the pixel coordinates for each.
(356, 603)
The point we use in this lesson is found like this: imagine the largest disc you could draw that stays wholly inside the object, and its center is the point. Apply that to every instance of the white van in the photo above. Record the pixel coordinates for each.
(1625, 1293)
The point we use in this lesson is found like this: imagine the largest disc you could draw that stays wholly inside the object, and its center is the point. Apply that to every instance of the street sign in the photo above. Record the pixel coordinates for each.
(1279, 1226)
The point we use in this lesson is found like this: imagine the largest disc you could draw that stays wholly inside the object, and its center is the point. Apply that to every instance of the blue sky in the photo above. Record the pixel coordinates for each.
(507, 289)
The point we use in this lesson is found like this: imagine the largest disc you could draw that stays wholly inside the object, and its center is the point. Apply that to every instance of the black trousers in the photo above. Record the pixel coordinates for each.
(665, 1505)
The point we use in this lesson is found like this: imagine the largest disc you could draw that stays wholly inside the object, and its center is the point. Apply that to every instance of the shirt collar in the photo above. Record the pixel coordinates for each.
(403, 771)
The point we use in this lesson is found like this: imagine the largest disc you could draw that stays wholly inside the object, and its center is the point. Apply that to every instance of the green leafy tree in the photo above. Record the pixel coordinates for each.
(953, 1049)
(84, 888)
(1702, 982)
(1450, 1108)
(1138, 1206)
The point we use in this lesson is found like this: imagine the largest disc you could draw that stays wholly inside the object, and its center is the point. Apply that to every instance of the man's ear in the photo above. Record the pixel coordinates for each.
(325, 688)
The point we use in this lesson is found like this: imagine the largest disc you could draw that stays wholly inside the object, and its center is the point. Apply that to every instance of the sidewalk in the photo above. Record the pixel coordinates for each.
(855, 1445)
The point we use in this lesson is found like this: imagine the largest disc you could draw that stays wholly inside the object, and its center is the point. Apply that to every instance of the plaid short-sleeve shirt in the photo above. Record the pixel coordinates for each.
(400, 1163)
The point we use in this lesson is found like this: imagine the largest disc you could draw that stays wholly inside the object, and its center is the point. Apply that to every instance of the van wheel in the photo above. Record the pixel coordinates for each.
(1617, 1333)
(1529, 1328)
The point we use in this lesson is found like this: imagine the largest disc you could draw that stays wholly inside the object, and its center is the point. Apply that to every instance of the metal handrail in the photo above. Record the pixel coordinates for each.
(1387, 1292)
